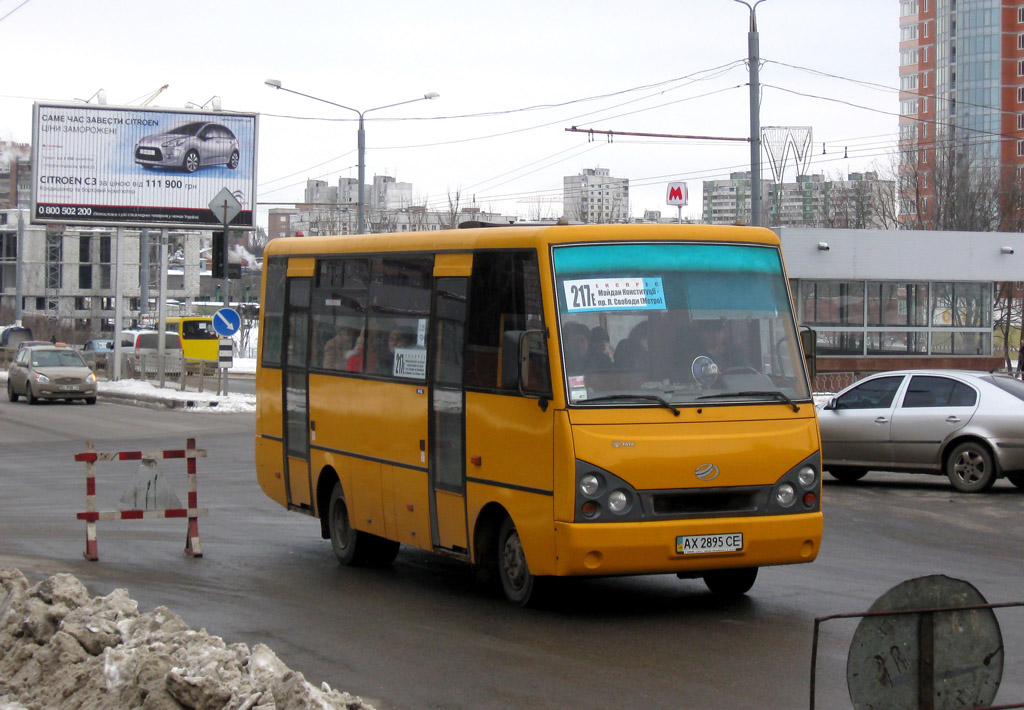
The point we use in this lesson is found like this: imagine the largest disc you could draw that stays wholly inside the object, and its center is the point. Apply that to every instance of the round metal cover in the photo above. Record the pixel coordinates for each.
(883, 669)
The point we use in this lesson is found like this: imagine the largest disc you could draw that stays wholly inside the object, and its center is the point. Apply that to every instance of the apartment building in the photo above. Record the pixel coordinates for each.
(961, 96)
(595, 197)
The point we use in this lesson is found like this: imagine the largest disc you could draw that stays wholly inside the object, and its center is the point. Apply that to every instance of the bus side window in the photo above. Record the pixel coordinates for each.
(504, 298)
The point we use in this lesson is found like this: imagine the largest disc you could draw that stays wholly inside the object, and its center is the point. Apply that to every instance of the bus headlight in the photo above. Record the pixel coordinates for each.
(590, 484)
(785, 495)
(618, 501)
(807, 476)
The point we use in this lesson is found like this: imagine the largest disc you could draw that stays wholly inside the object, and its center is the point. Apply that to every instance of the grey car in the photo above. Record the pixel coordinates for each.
(189, 147)
(966, 425)
(50, 372)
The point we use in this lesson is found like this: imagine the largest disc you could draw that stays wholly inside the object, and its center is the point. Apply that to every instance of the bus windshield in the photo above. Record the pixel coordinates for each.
(682, 323)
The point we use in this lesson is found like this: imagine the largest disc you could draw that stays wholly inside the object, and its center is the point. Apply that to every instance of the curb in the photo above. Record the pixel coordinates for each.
(155, 402)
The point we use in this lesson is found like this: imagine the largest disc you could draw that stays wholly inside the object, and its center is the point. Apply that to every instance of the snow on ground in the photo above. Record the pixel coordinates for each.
(61, 648)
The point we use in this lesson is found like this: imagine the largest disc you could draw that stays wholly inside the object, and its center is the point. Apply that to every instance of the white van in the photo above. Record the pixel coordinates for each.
(140, 350)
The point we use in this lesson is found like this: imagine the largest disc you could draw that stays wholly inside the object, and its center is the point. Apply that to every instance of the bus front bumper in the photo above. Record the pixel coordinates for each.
(599, 549)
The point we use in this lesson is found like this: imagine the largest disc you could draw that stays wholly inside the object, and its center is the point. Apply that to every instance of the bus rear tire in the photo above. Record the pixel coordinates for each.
(353, 547)
(730, 583)
(518, 583)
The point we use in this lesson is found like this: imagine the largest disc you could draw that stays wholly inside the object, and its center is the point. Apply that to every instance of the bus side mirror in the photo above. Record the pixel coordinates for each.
(519, 363)
(809, 342)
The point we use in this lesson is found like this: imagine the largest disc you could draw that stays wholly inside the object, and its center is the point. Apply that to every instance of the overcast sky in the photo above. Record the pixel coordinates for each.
(511, 78)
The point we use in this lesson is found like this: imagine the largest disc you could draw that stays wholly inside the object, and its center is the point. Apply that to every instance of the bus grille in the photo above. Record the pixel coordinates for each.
(721, 501)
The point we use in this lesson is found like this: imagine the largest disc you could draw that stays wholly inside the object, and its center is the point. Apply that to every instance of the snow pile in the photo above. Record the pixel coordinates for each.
(61, 648)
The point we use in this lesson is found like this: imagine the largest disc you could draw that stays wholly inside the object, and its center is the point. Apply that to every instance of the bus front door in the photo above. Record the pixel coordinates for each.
(296, 395)
(447, 419)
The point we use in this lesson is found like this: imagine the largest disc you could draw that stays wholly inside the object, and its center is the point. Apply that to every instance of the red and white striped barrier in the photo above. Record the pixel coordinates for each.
(91, 515)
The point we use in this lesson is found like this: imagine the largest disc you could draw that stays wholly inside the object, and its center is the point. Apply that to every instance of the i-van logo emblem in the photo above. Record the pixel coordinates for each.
(707, 472)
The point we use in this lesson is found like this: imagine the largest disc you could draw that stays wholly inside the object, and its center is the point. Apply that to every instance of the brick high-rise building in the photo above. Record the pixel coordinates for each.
(961, 100)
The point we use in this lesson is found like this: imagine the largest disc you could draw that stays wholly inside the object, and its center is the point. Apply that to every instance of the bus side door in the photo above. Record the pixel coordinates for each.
(296, 393)
(447, 414)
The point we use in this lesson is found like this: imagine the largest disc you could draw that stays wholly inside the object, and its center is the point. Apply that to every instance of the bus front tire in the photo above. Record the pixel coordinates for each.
(353, 547)
(517, 581)
(730, 583)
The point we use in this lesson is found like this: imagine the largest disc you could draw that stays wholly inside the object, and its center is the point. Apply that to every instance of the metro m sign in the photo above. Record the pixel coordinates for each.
(677, 194)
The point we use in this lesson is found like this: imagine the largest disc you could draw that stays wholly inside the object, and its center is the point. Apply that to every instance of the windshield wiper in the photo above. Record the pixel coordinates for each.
(774, 394)
(650, 397)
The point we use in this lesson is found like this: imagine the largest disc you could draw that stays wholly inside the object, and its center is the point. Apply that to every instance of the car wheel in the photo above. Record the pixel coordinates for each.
(1016, 479)
(11, 394)
(730, 583)
(517, 581)
(29, 397)
(970, 468)
(191, 162)
(233, 160)
(90, 400)
(847, 474)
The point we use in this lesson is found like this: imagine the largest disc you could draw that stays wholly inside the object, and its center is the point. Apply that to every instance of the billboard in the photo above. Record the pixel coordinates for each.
(147, 167)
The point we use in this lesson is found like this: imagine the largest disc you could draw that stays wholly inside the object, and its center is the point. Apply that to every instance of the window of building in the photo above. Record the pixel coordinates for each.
(1020, 67)
(1020, 15)
(839, 303)
(1020, 148)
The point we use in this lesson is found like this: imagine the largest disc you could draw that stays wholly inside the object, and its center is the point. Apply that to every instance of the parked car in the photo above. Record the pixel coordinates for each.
(14, 334)
(33, 343)
(966, 425)
(189, 147)
(50, 372)
(96, 351)
(140, 350)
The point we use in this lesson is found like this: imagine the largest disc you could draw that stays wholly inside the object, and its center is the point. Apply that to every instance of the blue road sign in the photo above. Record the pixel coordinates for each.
(226, 322)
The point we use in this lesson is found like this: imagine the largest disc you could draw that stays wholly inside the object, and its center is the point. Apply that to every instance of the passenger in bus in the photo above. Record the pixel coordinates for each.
(599, 352)
(336, 349)
(354, 357)
(575, 342)
(397, 338)
(631, 353)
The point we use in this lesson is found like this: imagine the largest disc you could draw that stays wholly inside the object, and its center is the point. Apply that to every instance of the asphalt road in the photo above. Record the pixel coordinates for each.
(420, 635)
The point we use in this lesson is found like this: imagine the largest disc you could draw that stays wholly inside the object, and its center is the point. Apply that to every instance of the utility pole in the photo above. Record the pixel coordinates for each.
(753, 50)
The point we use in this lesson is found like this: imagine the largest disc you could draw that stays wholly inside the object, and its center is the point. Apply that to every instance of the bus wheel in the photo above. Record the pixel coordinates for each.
(353, 547)
(343, 538)
(516, 579)
(730, 583)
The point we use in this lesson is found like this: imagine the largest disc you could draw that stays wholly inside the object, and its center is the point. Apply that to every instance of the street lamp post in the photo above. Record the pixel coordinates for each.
(755, 114)
(361, 141)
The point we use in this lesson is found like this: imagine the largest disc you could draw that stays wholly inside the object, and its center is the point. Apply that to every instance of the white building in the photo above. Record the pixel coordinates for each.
(68, 272)
(595, 197)
(811, 201)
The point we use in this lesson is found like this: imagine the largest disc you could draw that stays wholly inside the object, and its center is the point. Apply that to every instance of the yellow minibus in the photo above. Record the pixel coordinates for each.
(542, 401)
(199, 341)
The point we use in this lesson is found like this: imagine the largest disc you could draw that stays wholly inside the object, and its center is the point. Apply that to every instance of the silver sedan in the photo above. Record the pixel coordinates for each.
(966, 425)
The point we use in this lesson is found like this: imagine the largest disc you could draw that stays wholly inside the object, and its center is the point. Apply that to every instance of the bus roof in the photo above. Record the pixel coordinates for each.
(515, 237)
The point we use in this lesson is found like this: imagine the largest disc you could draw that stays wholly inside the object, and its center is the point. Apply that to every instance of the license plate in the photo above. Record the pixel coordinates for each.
(703, 544)
(68, 388)
(147, 151)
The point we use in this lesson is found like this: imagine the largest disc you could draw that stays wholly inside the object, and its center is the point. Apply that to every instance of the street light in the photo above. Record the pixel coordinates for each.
(274, 83)
(755, 114)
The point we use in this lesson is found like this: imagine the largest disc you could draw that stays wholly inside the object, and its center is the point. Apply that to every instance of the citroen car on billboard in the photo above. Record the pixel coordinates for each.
(115, 165)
